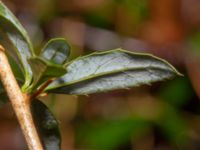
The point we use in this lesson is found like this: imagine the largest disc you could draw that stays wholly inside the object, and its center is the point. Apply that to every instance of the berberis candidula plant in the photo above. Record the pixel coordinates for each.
(25, 76)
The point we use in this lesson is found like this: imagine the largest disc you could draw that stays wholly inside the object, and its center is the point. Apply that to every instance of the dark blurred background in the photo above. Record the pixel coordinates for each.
(164, 116)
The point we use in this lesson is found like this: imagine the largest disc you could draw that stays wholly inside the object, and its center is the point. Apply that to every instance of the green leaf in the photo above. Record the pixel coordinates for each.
(16, 70)
(47, 125)
(109, 70)
(56, 50)
(19, 77)
(49, 64)
(16, 41)
(44, 70)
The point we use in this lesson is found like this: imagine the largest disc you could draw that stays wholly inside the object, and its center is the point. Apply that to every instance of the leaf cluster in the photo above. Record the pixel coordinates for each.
(52, 72)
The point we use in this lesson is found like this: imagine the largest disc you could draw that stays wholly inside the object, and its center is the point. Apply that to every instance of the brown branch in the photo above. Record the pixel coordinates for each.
(20, 103)
(41, 89)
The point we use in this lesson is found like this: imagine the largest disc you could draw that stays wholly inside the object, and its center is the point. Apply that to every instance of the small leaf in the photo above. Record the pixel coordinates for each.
(44, 70)
(56, 50)
(16, 41)
(47, 125)
(50, 62)
(109, 70)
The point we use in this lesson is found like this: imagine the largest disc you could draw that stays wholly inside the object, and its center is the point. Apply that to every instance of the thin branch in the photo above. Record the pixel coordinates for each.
(20, 103)
(41, 89)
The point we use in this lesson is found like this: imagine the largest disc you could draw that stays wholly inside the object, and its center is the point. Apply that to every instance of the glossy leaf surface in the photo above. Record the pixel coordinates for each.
(44, 70)
(16, 41)
(56, 50)
(47, 125)
(109, 70)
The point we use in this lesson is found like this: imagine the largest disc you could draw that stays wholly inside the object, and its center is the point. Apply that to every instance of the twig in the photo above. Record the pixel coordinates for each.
(41, 89)
(20, 103)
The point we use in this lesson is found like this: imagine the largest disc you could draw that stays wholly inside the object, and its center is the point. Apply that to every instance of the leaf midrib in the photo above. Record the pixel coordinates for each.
(106, 74)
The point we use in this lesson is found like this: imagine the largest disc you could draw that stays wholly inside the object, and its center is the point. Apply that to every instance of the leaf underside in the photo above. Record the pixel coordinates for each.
(46, 125)
(110, 70)
(16, 41)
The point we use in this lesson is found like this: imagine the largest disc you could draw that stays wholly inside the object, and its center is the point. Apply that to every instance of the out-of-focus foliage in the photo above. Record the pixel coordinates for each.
(163, 116)
(94, 73)
(194, 42)
(178, 92)
(109, 134)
